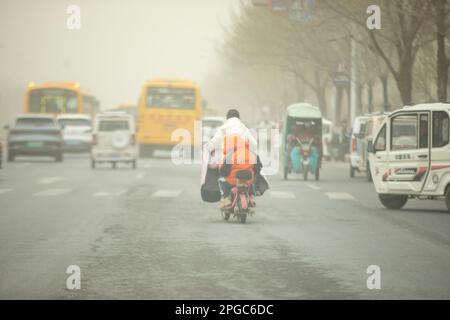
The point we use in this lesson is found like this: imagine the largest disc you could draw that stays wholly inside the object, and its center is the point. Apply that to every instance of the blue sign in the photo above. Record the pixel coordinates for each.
(280, 5)
(301, 10)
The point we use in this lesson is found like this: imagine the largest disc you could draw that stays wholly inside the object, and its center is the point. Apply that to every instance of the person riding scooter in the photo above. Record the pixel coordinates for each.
(238, 152)
(237, 158)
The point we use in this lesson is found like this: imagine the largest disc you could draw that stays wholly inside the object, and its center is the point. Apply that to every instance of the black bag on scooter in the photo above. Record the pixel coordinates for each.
(261, 184)
(210, 191)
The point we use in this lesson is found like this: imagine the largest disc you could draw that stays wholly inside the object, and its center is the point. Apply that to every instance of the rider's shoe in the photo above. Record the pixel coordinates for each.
(225, 202)
(252, 202)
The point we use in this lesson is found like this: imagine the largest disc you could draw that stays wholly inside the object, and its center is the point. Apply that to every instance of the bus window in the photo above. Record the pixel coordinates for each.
(53, 101)
(175, 98)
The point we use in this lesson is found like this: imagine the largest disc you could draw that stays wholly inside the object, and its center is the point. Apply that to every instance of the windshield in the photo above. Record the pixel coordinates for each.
(74, 122)
(34, 123)
(53, 101)
(172, 98)
(113, 125)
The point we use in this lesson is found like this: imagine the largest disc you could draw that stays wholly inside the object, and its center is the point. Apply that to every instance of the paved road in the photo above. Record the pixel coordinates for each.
(145, 234)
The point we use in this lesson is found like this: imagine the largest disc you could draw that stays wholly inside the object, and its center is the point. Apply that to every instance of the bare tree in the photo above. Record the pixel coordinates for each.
(259, 38)
(441, 17)
(402, 23)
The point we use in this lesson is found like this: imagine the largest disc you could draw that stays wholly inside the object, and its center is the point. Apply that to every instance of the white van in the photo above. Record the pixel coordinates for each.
(114, 139)
(410, 155)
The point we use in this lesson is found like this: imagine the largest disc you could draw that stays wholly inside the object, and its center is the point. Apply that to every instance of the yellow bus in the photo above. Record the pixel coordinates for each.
(60, 97)
(166, 105)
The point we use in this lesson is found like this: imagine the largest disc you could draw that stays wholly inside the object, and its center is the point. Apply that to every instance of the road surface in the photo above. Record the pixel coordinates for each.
(145, 234)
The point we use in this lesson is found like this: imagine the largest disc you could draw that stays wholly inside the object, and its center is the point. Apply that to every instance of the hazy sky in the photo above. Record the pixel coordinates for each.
(120, 44)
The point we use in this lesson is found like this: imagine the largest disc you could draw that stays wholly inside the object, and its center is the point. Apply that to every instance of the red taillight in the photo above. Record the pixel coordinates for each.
(353, 144)
(133, 139)
(94, 139)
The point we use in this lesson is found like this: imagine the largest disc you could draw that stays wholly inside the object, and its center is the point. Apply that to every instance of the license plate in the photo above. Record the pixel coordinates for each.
(72, 142)
(35, 144)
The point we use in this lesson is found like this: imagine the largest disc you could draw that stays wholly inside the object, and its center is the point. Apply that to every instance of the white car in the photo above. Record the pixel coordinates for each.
(410, 156)
(210, 126)
(364, 129)
(114, 139)
(77, 132)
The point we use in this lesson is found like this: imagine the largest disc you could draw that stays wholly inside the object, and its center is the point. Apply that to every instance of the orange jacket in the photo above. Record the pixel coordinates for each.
(237, 154)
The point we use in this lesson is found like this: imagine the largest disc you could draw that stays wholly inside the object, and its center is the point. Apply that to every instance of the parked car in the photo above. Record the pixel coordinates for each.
(410, 156)
(210, 126)
(364, 129)
(77, 132)
(114, 139)
(35, 135)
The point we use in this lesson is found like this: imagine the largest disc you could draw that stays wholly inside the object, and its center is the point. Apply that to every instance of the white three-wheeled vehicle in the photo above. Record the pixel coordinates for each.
(410, 155)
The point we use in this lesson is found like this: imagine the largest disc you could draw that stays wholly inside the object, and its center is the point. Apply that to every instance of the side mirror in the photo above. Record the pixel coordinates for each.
(6, 127)
(370, 148)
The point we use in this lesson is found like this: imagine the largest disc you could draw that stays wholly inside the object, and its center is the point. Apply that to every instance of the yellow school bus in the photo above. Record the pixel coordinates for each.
(60, 97)
(166, 105)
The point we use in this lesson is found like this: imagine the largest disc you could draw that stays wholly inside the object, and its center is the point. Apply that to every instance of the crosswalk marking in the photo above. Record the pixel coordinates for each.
(51, 192)
(50, 180)
(282, 195)
(109, 194)
(3, 191)
(166, 193)
(313, 186)
(339, 196)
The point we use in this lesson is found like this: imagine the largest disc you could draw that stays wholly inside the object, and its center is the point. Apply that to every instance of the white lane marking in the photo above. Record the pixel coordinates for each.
(339, 196)
(282, 195)
(109, 194)
(140, 175)
(3, 191)
(51, 192)
(166, 193)
(50, 180)
(313, 186)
